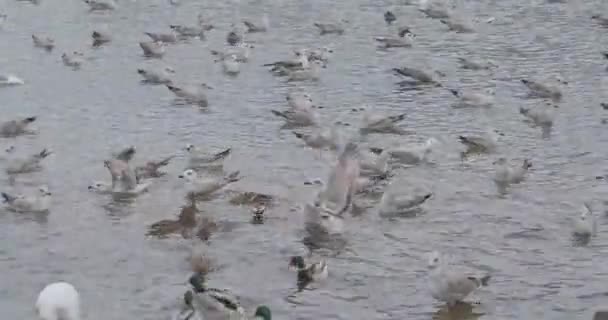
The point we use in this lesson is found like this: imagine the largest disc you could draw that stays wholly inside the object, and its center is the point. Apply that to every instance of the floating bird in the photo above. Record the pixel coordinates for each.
(38, 203)
(29, 164)
(390, 203)
(73, 60)
(162, 37)
(468, 99)
(43, 42)
(13, 128)
(314, 272)
(151, 169)
(7, 80)
(419, 76)
(152, 49)
(457, 26)
(540, 90)
(330, 28)
(376, 123)
(101, 5)
(194, 94)
(186, 32)
(506, 175)
(585, 225)
(58, 300)
(253, 28)
(485, 143)
(204, 187)
(156, 75)
(200, 159)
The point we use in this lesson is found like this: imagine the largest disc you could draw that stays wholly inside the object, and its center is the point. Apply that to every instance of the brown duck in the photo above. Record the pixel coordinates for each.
(184, 224)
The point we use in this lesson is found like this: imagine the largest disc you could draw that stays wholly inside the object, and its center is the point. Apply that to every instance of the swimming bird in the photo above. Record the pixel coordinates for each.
(73, 60)
(433, 11)
(58, 301)
(101, 5)
(46, 43)
(310, 73)
(484, 143)
(419, 76)
(299, 101)
(389, 17)
(253, 28)
(38, 203)
(472, 99)
(448, 285)
(27, 165)
(307, 273)
(321, 54)
(7, 80)
(458, 26)
(152, 49)
(151, 168)
(541, 116)
(506, 175)
(185, 223)
(469, 64)
(231, 65)
(124, 179)
(100, 38)
(156, 75)
(377, 123)
(413, 154)
(540, 90)
(241, 50)
(194, 94)
(282, 67)
(330, 28)
(198, 159)
(391, 203)
(186, 32)
(204, 187)
(585, 224)
(214, 303)
(162, 37)
(374, 165)
(387, 43)
(13, 128)
(322, 138)
(298, 117)
(337, 196)
(601, 20)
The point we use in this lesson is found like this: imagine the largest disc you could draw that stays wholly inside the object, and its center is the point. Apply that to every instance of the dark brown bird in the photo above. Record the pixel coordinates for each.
(185, 223)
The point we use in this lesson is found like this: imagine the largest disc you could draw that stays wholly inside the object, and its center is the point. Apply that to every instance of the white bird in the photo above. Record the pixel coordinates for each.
(203, 187)
(162, 37)
(322, 138)
(310, 73)
(506, 175)
(321, 54)
(469, 64)
(38, 203)
(101, 5)
(415, 153)
(585, 224)
(26, 165)
(283, 67)
(545, 91)
(199, 159)
(242, 51)
(329, 222)
(231, 65)
(152, 49)
(433, 11)
(299, 117)
(73, 60)
(372, 164)
(156, 75)
(448, 285)
(471, 99)
(484, 143)
(539, 116)
(58, 301)
(390, 203)
(186, 32)
(194, 94)
(376, 123)
(7, 80)
(43, 42)
(124, 178)
(297, 101)
(341, 185)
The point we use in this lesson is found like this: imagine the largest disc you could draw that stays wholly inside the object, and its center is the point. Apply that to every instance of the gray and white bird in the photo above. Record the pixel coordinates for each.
(152, 49)
(29, 164)
(186, 32)
(253, 28)
(205, 186)
(473, 99)
(391, 203)
(377, 123)
(195, 94)
(156, 75)
(13, 128)
(544, 91)
(419, 76)
(330, 28)
(168, 37)
(40, 202)
(507, 175)
(198, 159)
(487, 142)
(73, 60)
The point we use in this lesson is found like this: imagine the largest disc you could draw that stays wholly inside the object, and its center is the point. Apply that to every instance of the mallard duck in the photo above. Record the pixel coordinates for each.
(220, 303)
(314, 272)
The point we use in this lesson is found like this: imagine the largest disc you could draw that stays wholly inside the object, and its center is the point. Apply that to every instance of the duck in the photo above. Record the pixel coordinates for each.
(214, 303)
(58, 300)
(314, 272)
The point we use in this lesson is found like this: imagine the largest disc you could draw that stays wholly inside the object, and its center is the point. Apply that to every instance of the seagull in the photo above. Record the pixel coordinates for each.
(17, 127)
(310, 73)
(330, 28)
(29, 203)
(43, 42)
(73, 60)
(413, 154)
(387, 43)
(506, 175)
(282, 67)
(253, 28)
(540, 90)
(298, 117)
(203, 187)
(7, 80)
(405, 30)
(199, 159)
(101, 5)
(231, 65)
(241, 50)
(374, 165)
(390, 203)
(124, 179)
(539, 116)
(485, 143)
(376, 123)
(162, 37)
(152, 49)
(323, 138)
(585, 225)
(474, 99)
(299, 101)
(337, 196)
(186, 32)
(58, 300)
(468, 64)
(450, 286)
(433, 12)
(156, 75)
(194, 94)
(29, 164)
(321, 54)
(457, 26)
(419, 76)
(100, 38)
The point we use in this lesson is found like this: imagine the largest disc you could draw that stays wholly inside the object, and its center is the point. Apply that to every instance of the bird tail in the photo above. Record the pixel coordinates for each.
(44, 153)
(298, 135)
(222, 154)
(397, 118)
(484, 280)
(279, 114)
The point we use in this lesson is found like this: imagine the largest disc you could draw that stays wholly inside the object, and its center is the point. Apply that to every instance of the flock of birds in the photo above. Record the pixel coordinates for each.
(358, 179)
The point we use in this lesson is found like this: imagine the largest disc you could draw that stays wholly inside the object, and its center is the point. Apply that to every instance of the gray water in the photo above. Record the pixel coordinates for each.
(522, 239)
